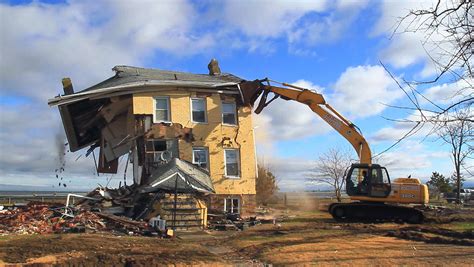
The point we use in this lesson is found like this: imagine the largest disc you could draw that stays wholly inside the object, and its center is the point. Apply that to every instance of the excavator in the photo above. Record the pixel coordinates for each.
(374, 197)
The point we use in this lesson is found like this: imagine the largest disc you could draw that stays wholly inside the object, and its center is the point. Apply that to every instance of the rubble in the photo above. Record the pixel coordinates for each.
(229, 222)
(88, 215)
(39, 218)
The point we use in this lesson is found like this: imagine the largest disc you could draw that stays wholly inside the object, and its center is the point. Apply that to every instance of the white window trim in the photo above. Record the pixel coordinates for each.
(207, 155)
(238, 164)
(167, 98)
(205, 109)
(236, 114)
(154, 152)
(238, 205)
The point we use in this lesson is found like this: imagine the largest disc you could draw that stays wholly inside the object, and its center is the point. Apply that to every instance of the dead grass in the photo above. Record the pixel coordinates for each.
(301, 238)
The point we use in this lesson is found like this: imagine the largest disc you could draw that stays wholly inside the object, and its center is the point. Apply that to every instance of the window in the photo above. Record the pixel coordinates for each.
(232, 163)
(162, 109)
(200, 157)
(232, 205)
(156, 151)
(359, 182)
(229, 113)
(198, 110)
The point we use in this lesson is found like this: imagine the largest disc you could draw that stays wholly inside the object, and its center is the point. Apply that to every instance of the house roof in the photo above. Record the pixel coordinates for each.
(129, 74)
(128, 79)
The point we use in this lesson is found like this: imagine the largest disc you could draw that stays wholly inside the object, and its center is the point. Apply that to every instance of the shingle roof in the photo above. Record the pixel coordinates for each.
(129, 80)
(181, 174)
(129, 74)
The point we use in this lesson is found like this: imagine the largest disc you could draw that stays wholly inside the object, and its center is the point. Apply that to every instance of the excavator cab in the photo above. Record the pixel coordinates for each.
(368, 180)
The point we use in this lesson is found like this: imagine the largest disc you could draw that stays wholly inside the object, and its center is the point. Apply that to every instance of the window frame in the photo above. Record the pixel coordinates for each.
(155, 153)
(207, 156)
(235, 113)
(205, 109)
(232, 206)
(238, 163)
(168, 114)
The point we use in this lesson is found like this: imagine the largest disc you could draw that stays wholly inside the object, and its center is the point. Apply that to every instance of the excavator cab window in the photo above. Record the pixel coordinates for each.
(365, 180)
(379, 182)
(358, 181)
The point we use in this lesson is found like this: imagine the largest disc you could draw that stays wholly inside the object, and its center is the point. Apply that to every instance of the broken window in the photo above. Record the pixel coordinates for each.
(229, 113)
(162, 109)
(198, 110)
(232, 205)
(232, 163)
(157, 151)
(200, 157)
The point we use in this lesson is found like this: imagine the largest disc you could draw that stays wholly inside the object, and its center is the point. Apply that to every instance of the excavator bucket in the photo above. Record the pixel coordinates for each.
(250, 91)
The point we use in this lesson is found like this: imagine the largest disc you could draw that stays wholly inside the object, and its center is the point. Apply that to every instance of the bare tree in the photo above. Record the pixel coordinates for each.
(448, 37)
(459, 135)
(447, 30)
(331, 169)
(448, 25)
(266, 184)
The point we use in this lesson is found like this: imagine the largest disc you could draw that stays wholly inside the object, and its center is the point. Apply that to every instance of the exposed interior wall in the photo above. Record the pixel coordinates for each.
(213, 135)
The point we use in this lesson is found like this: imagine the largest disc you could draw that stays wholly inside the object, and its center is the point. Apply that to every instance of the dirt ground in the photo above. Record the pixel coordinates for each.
(301, 238)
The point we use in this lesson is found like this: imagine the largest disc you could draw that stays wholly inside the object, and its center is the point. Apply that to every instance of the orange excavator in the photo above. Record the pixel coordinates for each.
(374, 196)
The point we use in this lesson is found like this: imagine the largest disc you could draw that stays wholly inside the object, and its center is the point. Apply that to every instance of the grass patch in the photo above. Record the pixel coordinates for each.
(461, 226)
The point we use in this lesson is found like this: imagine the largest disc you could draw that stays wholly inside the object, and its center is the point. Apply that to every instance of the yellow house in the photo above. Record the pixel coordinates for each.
(166, 120)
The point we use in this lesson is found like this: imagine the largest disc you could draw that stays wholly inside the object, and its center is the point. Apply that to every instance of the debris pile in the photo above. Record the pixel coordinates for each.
(42, 219)
(39, 218)
(227, 222)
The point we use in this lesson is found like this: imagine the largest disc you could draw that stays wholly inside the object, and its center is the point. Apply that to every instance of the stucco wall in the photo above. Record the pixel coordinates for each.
(211, 135)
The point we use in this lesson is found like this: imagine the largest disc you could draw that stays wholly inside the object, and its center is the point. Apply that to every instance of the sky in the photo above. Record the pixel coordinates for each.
(333, 47)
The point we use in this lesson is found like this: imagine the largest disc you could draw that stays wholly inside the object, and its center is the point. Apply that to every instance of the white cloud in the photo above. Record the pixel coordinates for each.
(404, 50)
(362, 91)
(41, 43)
(410, 42)
(327, 29)
(291, 172)
(393, 11)
(415, 159)
(268, 19)
(30, 141)
(449, 93)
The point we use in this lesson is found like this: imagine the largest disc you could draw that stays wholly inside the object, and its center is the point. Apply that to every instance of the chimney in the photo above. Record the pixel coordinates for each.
(214, 67)
(67, 86)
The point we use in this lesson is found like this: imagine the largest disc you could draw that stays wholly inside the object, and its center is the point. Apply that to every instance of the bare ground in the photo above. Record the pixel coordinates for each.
(303, 238)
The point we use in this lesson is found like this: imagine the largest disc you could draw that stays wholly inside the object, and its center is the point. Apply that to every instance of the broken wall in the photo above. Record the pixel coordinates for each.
(213, 135)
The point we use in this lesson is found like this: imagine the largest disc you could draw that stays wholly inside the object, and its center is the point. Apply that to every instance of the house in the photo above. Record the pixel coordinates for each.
(188, 136)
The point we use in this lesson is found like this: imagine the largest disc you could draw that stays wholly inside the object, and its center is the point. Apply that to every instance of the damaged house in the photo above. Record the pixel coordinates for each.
(189, 138)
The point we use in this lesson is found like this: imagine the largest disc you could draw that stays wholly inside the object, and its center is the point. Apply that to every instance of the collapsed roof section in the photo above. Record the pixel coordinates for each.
(181, 177)
(85, 114)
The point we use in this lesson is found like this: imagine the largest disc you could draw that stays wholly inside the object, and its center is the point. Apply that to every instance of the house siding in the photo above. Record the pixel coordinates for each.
(213, 135)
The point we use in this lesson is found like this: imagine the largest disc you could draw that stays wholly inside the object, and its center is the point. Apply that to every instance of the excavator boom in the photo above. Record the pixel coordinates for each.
(316, 102)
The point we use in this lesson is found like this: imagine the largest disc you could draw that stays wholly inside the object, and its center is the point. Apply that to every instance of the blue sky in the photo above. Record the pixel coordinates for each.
(333, 47)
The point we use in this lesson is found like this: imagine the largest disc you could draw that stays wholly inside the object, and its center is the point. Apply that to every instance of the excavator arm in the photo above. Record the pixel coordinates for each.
(316, 102)
(372, 186)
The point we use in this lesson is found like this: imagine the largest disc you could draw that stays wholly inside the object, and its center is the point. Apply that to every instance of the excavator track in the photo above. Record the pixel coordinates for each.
(375, 212)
